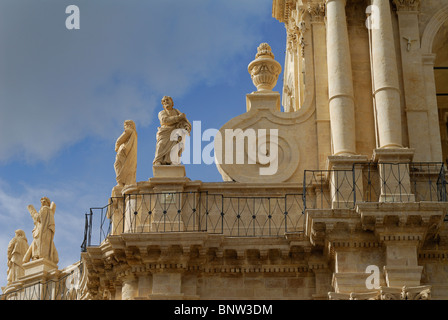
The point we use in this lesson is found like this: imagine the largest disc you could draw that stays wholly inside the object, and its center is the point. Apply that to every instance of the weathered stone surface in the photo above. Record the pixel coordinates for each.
(355, 205)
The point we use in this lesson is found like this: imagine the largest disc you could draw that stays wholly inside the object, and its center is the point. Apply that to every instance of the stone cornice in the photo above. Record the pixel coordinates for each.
(128, 256)
(403, 222)
(437, 254)
(281, 9)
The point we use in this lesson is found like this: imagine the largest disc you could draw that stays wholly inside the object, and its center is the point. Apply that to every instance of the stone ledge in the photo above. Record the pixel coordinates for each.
(39, 266)
(393, 155)
(172, 171)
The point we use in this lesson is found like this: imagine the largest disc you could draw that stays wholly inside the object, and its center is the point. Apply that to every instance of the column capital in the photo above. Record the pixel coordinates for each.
(316, 10)
(407, 5)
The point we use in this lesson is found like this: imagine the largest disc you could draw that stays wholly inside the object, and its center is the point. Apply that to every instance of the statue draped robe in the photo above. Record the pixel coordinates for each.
(17, 249)
(126, 160)
(43, 234)
(165, 141)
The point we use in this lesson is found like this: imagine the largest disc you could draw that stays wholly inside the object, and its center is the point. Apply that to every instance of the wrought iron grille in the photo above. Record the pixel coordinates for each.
(236, 216)
(370, 182)
(65, 288)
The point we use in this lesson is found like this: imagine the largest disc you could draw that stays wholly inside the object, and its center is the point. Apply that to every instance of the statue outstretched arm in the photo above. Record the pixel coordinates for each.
(33, 211)
(53, 207)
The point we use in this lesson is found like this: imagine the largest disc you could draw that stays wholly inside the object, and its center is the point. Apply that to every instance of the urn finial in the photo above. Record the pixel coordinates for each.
(264, 70)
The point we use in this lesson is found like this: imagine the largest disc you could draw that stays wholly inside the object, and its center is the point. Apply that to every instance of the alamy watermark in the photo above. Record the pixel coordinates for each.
(235, 146)
(73, 20)
(230, 148)
(373, 280)
(73, 283)
(373, 19)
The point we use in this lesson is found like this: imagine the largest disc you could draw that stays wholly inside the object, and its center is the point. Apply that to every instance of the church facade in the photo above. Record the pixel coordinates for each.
(334, 188)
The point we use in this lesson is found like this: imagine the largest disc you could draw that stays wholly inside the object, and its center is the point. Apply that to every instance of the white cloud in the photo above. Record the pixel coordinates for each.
(59, 86)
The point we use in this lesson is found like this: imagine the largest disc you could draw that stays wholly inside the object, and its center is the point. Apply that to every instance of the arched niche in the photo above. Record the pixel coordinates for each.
(434, 48)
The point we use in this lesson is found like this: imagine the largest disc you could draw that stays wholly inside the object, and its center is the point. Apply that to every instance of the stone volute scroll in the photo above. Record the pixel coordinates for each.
(126, 159)
(17, 249)
(171, 134)
(43, 246)
(263, 145)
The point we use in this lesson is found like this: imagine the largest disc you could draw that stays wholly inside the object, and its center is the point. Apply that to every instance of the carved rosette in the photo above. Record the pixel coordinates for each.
(264, 70)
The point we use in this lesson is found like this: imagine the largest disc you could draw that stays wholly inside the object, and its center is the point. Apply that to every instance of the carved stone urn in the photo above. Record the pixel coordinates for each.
(264, 70)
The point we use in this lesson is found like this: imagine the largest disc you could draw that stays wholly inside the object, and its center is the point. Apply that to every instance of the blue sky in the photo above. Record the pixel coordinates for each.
(64, 94)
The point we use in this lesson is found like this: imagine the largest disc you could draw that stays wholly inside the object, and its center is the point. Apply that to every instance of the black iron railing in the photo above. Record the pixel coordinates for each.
(398, 182)
(99, 216)
(236, 216)
(428, 181)
(374, 182)
(251, 216)
(64, 288)
(325, 189)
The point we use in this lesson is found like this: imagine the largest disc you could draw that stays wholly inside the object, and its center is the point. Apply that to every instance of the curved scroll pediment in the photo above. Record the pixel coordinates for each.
(267, 142)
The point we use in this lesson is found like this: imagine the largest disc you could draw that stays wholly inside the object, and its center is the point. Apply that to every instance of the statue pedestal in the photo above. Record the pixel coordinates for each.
(394, 173)
(343, 175)
(39, 267)
(263, 101)
(172, 171)
(160, 210)
(33, 284)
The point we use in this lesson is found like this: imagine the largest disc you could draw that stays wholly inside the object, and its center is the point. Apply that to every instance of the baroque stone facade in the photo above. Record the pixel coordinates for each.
(356, 208)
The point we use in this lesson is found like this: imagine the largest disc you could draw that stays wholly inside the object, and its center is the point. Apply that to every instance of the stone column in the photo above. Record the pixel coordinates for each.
(385, 78)
(417, 109)
(317, 14)
(340, 82)
(393, 159)
(129, 289)
(433, 112)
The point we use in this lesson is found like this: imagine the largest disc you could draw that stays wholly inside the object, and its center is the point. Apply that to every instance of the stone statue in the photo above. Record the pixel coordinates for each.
(126, 159)
(43, 233)
(17, 248)
(174, 126)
